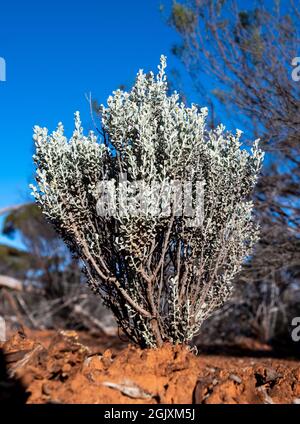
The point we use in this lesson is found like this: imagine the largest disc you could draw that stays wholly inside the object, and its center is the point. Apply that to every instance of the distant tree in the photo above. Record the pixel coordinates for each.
(48, 264)
(54, 293)
(45, 267)
(14, 261)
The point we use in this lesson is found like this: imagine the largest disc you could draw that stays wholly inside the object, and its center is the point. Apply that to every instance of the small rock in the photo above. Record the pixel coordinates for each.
(272, 374)
(46, 389)
(235, 378)
(129, 388)
(296, 401)
(2, 330)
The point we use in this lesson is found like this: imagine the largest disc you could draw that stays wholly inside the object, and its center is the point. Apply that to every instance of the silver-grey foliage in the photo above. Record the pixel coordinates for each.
(160, 276)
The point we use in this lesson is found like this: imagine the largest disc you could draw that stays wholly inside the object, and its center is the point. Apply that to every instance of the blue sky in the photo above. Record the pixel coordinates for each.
(55, 53)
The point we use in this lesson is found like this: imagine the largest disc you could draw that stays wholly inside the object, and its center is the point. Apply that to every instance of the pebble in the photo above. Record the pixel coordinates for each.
(2, 330)
(235, 378)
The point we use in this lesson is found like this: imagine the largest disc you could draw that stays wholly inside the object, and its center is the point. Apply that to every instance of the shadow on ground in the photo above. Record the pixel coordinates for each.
(11, 389)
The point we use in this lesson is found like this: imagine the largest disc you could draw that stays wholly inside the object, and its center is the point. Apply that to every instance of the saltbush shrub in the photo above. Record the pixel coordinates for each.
(158, 208)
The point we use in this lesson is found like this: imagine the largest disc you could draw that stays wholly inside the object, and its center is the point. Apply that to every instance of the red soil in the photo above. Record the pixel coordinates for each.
(66, 367)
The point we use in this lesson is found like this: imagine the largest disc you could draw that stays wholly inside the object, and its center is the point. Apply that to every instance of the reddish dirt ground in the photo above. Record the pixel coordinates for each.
(69, 367)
